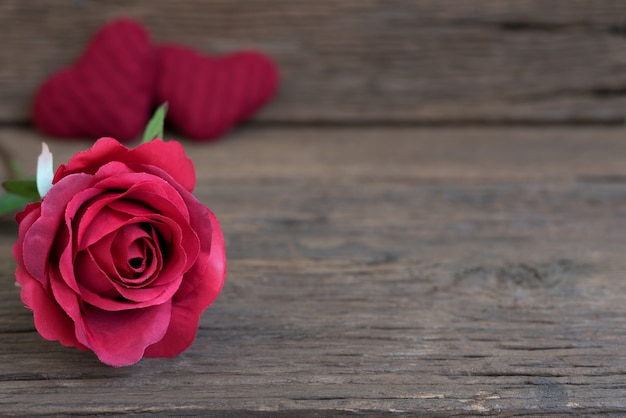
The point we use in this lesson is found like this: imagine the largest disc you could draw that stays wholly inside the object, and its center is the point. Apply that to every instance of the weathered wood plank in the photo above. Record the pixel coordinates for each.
(450, 271)
(365, 61)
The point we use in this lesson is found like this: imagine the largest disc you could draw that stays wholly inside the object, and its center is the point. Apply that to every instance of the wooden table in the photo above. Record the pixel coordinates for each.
(374, 270)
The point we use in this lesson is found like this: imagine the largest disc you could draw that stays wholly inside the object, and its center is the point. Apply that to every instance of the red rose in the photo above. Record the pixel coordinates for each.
(119, 257)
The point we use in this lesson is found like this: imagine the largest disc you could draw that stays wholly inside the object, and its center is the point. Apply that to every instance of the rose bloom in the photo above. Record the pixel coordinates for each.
(119, 257)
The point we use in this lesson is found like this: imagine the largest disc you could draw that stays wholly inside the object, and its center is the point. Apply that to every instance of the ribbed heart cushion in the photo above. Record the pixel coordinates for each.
(108, 91)
(208, 95)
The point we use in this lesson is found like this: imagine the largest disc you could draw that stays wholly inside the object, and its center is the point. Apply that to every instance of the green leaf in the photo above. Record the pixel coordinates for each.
(24, 188)
(10, 202)
(154, 129)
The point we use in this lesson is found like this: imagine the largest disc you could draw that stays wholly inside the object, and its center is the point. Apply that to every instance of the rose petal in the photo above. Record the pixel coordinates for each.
(101, 253)
(38, 239)
(168, 156)
(154, 294)
(69, 249)
(181, 332)
(26, 219)
(168, 204)
(65, 296)
(50, 320)
(89, 161)
(201, 285)
(97, 220)
(209, 269)
(120, 338)
(93, 280)
(30, 207)
(149, 190)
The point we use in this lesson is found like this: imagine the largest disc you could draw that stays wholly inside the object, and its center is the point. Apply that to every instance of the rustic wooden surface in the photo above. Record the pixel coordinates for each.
(376, 271)
(364, 61)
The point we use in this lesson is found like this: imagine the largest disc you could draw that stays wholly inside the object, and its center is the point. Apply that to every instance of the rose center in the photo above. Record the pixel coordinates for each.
(135, 263)
(134, 255)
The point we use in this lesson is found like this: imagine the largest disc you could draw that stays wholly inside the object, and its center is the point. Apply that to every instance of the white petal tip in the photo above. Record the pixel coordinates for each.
(45, 173)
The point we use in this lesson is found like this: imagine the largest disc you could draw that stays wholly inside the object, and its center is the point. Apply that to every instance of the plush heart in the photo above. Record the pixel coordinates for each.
(109, 91)
(209, 95)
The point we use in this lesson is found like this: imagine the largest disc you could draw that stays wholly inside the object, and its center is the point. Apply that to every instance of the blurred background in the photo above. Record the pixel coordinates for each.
(352, 62)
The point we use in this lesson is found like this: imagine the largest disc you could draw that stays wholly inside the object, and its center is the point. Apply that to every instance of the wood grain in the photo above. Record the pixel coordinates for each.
(377, 271)
(364, 61)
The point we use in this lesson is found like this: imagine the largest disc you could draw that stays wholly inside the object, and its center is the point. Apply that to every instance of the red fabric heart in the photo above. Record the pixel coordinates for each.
(109, 91)
(209, 95)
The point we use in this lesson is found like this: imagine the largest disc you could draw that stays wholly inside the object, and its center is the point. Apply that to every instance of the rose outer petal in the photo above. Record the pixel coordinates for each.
(51, 321)
(120, 338)
(27, 217)
(201, 285)
(169, 156)
(39, 238)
